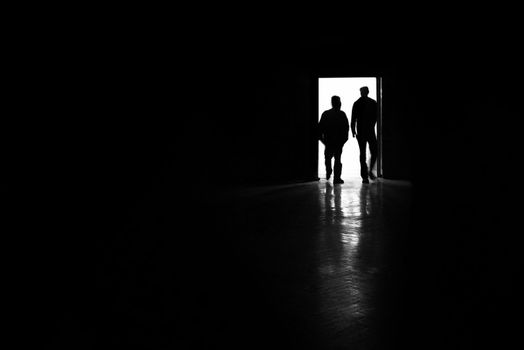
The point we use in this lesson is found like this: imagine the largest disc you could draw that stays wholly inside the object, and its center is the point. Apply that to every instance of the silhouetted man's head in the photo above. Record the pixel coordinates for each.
(335, 102)
(364, 91)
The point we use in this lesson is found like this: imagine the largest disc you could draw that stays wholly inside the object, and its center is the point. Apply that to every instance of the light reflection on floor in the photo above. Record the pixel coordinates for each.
(349, 214)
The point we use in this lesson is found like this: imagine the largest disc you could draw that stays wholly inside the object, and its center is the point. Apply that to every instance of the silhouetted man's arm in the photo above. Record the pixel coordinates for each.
(376, 113)
(346, 127)
(353, 120)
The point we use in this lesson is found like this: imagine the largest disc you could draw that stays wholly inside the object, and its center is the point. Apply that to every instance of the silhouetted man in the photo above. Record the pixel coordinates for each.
(364, 117)
(333, 133)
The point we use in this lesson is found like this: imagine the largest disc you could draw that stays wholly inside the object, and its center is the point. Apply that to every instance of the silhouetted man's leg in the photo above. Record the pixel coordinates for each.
(328, 154)
(373, 148)
(338, 165)
(363, 166)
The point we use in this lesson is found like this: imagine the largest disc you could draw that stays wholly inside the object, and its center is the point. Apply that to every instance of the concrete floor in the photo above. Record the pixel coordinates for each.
(321, 253)
(300, 266)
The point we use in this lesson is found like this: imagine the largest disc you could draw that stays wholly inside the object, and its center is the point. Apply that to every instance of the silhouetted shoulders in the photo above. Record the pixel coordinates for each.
(323, 117)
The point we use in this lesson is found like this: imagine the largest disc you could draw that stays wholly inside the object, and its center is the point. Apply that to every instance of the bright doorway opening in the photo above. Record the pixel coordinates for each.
(348, 89)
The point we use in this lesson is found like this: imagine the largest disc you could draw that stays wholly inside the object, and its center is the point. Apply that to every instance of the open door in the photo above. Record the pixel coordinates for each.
(379, 127)
(348, 89)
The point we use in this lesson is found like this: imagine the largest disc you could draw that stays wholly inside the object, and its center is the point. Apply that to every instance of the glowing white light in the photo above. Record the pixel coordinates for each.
(348, 89)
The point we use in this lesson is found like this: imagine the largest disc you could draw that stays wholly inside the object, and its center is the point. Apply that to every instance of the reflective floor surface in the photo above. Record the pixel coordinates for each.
(306, 265)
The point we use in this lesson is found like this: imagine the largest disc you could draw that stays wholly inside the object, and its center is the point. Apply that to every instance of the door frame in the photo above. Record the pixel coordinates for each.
(379, 87)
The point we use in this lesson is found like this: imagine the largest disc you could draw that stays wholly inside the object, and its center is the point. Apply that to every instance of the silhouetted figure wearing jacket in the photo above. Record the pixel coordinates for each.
(333, 133)
(364, 117)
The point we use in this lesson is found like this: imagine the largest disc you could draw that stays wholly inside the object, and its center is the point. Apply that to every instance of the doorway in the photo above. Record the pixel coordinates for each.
(348, 89)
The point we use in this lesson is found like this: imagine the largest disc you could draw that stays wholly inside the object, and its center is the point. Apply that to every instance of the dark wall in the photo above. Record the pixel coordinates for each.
(257, 125)
(225, 109)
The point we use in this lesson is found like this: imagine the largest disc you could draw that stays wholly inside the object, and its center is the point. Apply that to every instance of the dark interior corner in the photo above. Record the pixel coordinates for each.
(154, 122)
